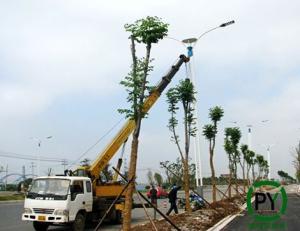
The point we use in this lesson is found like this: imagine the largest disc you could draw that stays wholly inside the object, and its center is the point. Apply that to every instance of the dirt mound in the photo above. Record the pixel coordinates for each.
(197, 220)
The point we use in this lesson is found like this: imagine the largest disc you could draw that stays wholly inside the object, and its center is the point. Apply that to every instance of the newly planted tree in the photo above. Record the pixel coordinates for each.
(263, 167)
(158, 179)
(243, 162)
(183, 94)
(296, 162)
(210, 132)
(250, 160)
(232, 139)
(175, 173)
(144, 31)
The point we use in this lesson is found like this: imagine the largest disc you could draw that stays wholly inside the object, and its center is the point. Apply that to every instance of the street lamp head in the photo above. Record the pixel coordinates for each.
(189, 40)
(227, 23)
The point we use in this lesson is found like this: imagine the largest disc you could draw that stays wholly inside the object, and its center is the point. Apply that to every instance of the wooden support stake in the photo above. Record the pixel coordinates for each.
(144, 207)
(153, 206)
(113, 203)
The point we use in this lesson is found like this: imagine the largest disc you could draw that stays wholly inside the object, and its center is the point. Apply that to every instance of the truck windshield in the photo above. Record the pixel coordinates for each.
(48, 189)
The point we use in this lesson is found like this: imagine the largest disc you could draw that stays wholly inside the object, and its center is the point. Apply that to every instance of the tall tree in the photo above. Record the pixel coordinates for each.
(150, 177)
(250, 160)
(261, 164)
(146, 31)
(184, 94)
(162, 164)
(158, 179)
(243, 162)
(286, 177)
(175, 171)
(232, 139)
(296, 162)
(210, 132)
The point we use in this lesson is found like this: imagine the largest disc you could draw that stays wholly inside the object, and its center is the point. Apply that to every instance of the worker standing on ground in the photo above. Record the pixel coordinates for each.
(172, 199)
(153, 197)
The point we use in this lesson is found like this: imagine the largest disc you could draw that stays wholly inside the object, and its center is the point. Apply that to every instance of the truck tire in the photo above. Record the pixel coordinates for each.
(79, 223)
(40, 226)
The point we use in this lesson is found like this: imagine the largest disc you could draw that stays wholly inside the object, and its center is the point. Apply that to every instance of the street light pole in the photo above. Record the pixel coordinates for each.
(190, 43)
(249, 126)
(39, 143)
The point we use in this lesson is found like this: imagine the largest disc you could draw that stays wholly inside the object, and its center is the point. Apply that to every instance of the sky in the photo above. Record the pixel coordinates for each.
(61, 63)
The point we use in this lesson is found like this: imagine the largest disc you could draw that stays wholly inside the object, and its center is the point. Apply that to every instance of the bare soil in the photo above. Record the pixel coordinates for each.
(197, 220)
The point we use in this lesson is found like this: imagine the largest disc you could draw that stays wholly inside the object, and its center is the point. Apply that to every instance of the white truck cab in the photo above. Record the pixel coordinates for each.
(58, 200)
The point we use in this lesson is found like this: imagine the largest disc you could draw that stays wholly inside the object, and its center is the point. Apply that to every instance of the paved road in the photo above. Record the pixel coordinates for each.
(288, 222)
(10, 215)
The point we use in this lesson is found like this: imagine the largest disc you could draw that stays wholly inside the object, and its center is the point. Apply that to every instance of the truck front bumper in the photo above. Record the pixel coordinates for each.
(45, 218)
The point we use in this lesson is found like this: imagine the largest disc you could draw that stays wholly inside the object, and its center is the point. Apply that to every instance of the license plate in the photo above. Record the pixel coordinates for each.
(41, 218)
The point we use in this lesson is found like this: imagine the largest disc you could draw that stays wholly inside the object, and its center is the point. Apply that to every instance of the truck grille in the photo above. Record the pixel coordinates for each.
(44, 211)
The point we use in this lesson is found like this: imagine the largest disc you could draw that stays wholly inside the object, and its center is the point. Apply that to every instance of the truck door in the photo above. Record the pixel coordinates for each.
(88, 195)
(77, 198)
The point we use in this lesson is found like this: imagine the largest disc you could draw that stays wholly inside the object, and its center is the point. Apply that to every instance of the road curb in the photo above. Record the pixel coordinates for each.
(226, 220)
(12, 201)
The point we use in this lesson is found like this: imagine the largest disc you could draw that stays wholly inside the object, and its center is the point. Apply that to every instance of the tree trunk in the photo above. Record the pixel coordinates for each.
(129, 192)
(186, 185)
(248, 177)
(186, 162)
(236, 179)
(244, 184)
(253, 175)
(213, 179)
(230, 180)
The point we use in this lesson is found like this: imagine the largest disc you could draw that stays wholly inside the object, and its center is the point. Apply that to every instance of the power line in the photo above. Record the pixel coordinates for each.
(92, 146)
(29, 157)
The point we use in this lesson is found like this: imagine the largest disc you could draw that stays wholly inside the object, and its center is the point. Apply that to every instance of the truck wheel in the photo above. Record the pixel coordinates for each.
(40, 226)
(79, 223)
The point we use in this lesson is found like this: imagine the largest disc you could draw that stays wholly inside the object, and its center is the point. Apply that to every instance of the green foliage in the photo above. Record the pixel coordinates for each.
(172, 100)
(296, 162)
(148, 30)
(286, 177)
(216, 113)
(232, 139)
(250, 157)
(106, 174)
(263, 166)
(177, 168)
(158, 179)
(183, 93)
(209, 131)
(244, 149)
(150, 177)
(133, 84)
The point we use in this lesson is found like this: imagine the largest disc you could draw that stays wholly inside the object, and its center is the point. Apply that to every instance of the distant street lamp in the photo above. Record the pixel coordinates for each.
(190, 43)
(39, 143)
(268, 148)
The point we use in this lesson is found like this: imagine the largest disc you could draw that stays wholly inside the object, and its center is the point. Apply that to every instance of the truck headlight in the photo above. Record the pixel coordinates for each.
(27, 210)
(61, 212)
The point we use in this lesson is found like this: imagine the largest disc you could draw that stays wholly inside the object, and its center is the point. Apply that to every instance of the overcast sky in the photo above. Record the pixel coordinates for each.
(61, 63)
